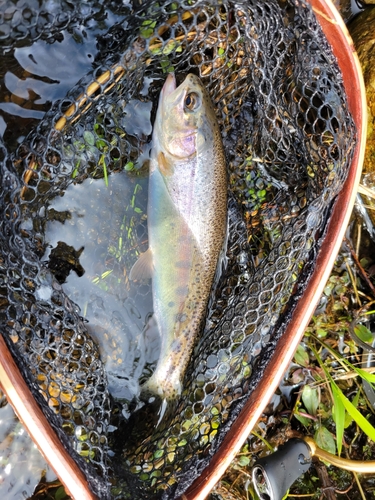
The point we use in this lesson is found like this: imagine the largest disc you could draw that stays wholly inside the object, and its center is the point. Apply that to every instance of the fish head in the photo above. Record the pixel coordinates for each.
(185, 117)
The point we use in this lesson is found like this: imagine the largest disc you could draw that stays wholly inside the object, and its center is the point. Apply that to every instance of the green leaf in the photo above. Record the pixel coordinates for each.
(364, 262)
(243, 460)
(169, 47)
(321, 332)
(100, 144)
(301, 357)
(89, 138)
(360, 420)
(129, 166)
(356, 399)
(304, 421)
(370, 377)
(149, 22)
(158, 453)
(338, 413)
(310, 398)
(60, 493)
(148, 28)
(166, 65)
(363, 333)
(262, 193)
(349, 418)
(324, 440)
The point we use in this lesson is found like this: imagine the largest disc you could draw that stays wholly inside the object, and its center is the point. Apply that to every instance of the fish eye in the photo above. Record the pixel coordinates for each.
(192, 101)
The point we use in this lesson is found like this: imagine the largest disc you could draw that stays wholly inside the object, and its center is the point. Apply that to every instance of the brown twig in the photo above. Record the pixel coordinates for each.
(359, 266)
(328, 490)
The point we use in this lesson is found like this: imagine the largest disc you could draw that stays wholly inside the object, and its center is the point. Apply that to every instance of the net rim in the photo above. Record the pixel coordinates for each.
(343, 48)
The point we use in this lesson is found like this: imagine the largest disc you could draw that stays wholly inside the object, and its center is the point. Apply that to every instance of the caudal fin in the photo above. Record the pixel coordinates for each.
(162, 406)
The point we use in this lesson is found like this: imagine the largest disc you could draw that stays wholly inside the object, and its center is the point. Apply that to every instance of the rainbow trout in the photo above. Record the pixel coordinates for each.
(187, 222)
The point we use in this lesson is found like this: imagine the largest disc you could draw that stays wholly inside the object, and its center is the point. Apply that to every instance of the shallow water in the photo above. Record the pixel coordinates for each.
(100, 223)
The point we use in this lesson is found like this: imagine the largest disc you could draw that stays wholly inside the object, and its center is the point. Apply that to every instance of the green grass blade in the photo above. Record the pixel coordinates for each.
(360, 420)
(105, 172)
(364, 424)
(370, 377)
(339, 417)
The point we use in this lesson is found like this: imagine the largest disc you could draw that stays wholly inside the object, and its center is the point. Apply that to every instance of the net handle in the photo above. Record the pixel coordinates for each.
(32, 417)
(342, 45)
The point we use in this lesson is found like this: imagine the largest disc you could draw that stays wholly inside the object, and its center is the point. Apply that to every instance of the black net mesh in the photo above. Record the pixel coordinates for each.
(24, 21)
(77, 186)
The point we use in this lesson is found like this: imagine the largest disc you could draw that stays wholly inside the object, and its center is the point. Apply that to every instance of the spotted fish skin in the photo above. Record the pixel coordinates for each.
(187, 221)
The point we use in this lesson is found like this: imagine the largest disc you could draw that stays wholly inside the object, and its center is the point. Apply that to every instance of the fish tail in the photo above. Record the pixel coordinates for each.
(164, 410)
(163, 403)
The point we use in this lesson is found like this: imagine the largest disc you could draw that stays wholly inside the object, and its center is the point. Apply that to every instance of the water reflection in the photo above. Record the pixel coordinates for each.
(35, 75)
(21, 464)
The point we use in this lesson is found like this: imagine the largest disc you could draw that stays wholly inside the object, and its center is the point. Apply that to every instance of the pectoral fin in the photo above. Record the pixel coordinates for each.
(165, 166)
(143, 267)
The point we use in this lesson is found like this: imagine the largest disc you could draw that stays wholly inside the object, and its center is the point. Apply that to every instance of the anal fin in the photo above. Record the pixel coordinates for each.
(143, 267)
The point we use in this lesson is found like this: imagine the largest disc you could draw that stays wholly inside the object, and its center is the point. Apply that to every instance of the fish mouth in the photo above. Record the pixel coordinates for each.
(169, 86)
